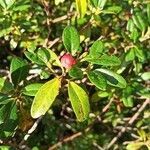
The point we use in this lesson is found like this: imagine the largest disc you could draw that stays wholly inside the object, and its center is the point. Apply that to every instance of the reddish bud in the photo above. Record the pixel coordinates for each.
(67, 61)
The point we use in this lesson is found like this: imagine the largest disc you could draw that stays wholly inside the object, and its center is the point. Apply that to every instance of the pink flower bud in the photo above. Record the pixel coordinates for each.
(67, 61)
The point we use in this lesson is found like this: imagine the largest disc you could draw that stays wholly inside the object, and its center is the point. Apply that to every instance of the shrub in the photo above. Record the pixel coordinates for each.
(74, 74)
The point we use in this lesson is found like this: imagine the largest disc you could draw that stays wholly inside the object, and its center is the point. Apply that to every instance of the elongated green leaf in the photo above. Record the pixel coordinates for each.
(19, 70)
(79, 101)
(128, 102)
(130, 55)
(45, 97)
(112, 10)
(54, 60)
(105, 60)
(113, 78)
(148, 12)
(102, 3)
(8, 117)
(4, 99)
(97, 79)
(130, 25)
(146, 76)
(81, 7)
(5, 86)
(33, 57)
(134, 145)
(96, 49)
(71, 39)
(43, 54)
(139, 53)
(9, 3)
(3, 4)
(32, 89)
(76, 72)
(139, 21)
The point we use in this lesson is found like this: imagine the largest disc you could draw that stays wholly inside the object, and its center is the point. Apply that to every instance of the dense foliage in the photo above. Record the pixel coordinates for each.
(74, 74)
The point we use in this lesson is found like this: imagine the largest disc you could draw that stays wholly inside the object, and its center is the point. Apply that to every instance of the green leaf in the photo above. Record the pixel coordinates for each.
(130, 25)
(139, 21)
(48, 56)
(34, 58)
(45, 97)
(146, 76)
(139, 53)
(19, 70)
(134, 146)
(98, 95)
(96, 49)
(54, 60)
(43, 57)
(8, 117)
(133, 32)
(79, 101)
(43, 54)
(7, 3)
(31, 89)
(81, 7)
(4, 99)
(94, 3)
(71, 39)
(57, 2)
(76, 72)
(113, 78)
(5, 86)
(2, 3)
(99, 3)
(5, 147)
(130, 55)
(134, 35)
(128, 102)
(112, 10)
(105, 60)
(148, 12)
(97, 79)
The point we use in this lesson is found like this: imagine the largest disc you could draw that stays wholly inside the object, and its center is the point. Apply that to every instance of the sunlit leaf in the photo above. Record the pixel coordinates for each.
(81, 7)
(79, 101)
(113, 78)
(97, 79)
(31, 89)
(71, 39)
(45, 97)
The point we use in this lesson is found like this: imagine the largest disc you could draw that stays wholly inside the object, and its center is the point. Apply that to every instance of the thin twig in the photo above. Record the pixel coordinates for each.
(30, 131)
(52, 43)
(68, 139)
(78, 134)
(47, 11)
(133, 118)
(62, 18)
(107, 106)
(97, 146)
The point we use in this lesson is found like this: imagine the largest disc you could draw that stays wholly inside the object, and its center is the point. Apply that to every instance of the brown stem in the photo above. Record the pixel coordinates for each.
(131, 121)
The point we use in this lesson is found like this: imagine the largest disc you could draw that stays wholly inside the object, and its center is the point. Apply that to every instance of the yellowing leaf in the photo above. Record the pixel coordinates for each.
(81, 7)
(45, 97)
(79, 101)
(134, 146)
